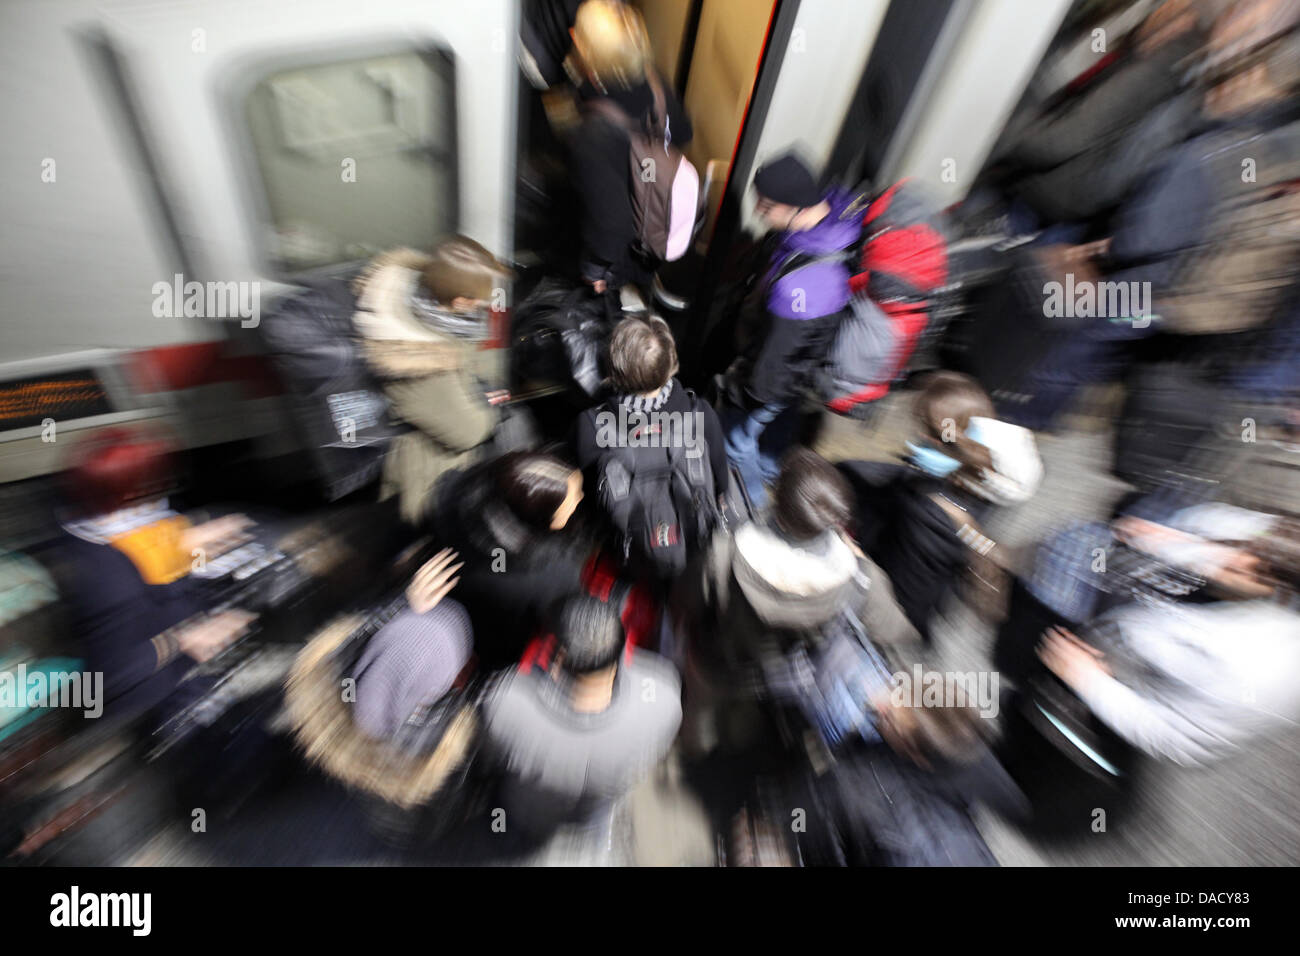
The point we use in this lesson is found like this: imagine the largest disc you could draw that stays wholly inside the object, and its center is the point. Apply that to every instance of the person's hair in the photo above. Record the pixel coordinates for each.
(946, 404)
(116, 466)
(811, 496)
(1172, 19)
(642, 355)
(1278, 551)
(533, 485)
(1252, 32)
(611, 43)
(937, 735)
(589, 633)
(460, 267)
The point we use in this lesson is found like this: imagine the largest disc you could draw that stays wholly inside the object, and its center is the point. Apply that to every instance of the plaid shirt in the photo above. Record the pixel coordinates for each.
(1084, 566)
(1063, 578)
(833, 685)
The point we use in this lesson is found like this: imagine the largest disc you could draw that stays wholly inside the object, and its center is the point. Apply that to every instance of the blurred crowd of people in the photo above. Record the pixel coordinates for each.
(673, 581)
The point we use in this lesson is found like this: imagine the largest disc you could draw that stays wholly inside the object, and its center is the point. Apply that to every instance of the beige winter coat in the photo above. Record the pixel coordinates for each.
(432, 381)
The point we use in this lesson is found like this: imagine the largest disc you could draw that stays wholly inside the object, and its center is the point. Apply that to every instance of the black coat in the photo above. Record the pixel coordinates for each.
(601, 174)
(874, 808)
(510, 583)
(116, 615)
(909, 535)
(1087, 155)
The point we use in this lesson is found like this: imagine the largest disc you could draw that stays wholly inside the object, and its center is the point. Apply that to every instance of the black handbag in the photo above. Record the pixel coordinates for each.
(559, 337)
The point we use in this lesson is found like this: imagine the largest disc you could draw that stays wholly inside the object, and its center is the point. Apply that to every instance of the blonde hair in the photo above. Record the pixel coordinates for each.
(611, 44)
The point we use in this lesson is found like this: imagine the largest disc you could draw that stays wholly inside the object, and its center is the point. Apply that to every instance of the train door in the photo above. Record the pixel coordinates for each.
(266, 143)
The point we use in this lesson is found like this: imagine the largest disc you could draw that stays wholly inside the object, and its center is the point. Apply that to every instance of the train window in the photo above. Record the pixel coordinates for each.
(355, 156)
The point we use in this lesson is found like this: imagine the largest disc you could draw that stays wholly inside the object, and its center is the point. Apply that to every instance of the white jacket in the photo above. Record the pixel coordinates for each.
(1208, 677)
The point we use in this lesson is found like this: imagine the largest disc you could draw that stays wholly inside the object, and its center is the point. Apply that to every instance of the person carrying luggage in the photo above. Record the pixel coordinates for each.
(422, 319)
(629, 225)
(654, 453)
(803, 306)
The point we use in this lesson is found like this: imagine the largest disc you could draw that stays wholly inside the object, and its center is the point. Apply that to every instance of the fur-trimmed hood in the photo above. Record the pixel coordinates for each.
(396, 341)
(792, 586)
(783, 587)
(323, 727)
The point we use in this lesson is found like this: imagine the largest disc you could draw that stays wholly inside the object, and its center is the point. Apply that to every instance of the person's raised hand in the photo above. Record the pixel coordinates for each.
(207, 638)
(433, 581)
(217, 536)
(1069, 658)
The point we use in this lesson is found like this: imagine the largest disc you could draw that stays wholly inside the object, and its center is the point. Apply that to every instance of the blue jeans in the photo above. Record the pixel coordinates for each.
(755, 442)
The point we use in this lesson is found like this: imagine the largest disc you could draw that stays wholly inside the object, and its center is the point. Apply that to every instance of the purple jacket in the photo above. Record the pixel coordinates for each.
(821, 288)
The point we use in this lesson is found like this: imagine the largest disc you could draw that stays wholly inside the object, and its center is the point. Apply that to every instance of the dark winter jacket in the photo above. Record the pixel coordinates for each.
(875, 808)
(803, 305)
(117, 615)
(1099, 179)
(678, 400)
(335, 399)
(602, 176)
(1084, 157)
(909, 535)
(1175, 233)
(513, 575)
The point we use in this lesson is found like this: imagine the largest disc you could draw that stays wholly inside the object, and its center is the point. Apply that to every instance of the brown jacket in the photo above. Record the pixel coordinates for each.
(432, 381)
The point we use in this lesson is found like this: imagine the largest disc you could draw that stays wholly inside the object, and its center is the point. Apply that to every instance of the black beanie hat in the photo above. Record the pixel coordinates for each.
(787, 180)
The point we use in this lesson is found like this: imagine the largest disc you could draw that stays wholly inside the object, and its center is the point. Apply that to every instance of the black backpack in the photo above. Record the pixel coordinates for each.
(337, 405)
(658, 488)
(559, 336)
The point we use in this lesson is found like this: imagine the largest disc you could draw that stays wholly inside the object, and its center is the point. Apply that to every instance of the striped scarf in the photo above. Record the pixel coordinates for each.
(472, 327)
(640, 403)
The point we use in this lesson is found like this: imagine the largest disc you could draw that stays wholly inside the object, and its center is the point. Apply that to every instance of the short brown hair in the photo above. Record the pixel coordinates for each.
(461, 268)
(1278, 551)
(931, 736)
(642, 355)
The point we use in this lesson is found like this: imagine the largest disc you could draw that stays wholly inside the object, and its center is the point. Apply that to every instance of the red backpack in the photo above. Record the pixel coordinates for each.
(903, 261)
(637, 609)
